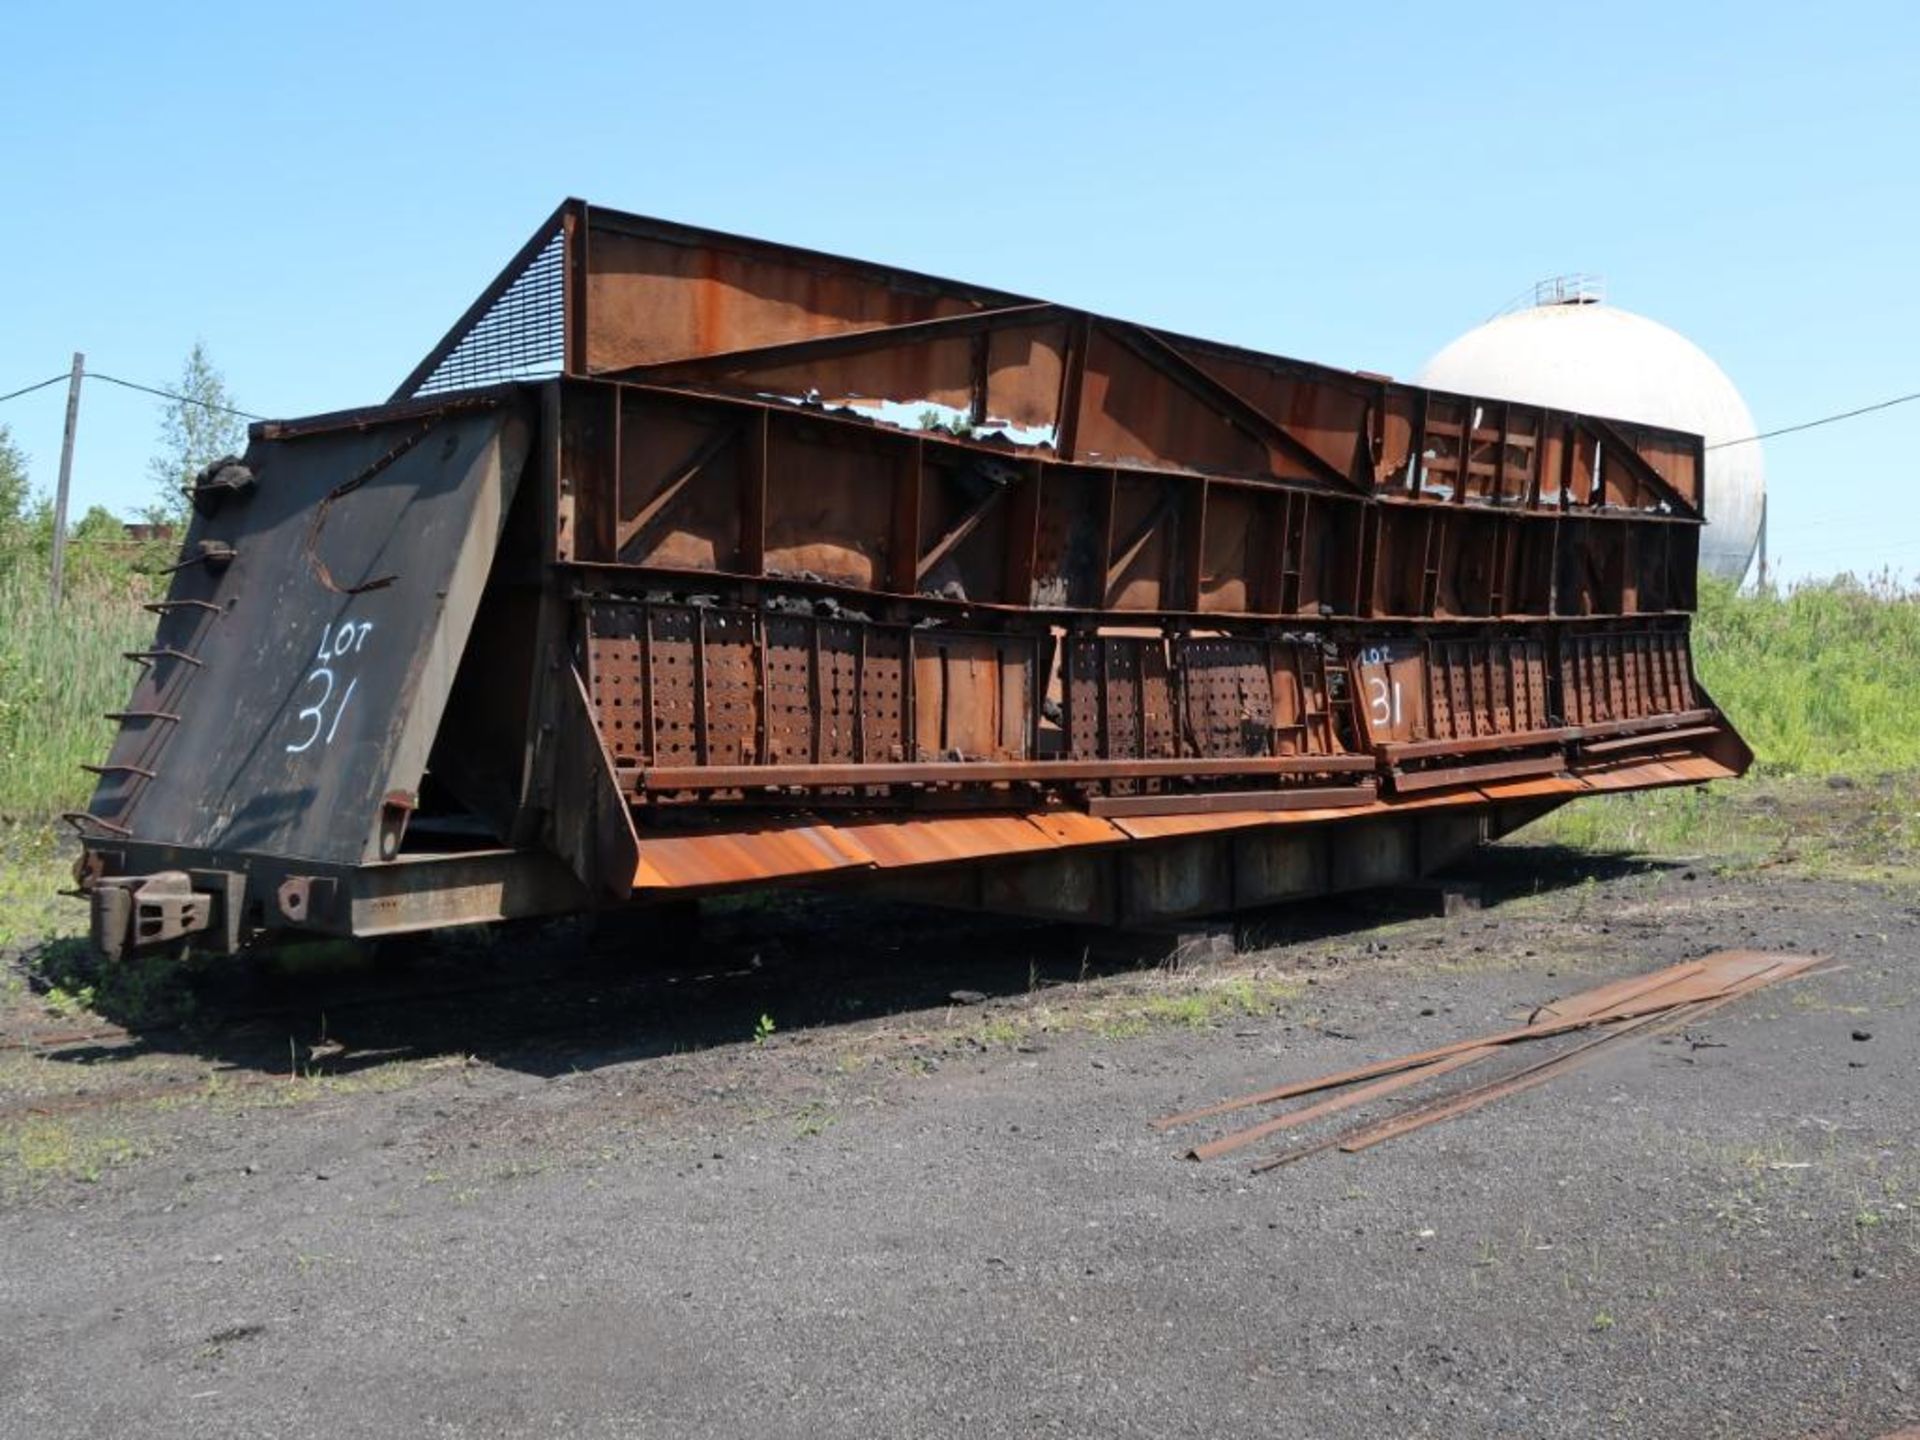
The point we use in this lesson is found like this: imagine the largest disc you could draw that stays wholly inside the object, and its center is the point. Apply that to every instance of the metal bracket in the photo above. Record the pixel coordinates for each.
(225, 479)
(299, 896)
(143, 912)
(216, 555)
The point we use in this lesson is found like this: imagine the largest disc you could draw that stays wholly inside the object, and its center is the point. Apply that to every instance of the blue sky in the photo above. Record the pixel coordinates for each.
(319, 195)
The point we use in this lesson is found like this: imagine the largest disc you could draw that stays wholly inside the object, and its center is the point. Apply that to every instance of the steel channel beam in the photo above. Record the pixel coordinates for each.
(1219, 802)
(735, 777)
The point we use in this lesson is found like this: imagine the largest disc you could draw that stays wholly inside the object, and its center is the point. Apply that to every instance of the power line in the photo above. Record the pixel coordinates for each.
(249, 415)
(29, 389)
(170, 395)
(1823, 420)
(131, 385)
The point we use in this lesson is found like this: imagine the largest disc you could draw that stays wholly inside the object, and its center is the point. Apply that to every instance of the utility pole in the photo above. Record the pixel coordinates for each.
(66, 475)
(1763, 544)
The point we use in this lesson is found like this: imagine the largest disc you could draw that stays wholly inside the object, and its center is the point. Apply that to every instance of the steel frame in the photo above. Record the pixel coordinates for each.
(825, 569)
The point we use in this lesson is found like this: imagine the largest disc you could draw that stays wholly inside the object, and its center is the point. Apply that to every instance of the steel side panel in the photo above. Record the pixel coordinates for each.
(1165, 827)
(1070, 827)
(791, 851)
(803, 849)
(1532, 789)
(895, 844)
(1447, 799)
(1161, 827)
(772, 852)
(1649, 774)
(1695, 768)
(308, 706)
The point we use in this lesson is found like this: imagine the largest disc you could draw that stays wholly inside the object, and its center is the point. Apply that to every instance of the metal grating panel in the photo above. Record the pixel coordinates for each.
(1227, 686)
(1625, 676)
(617, 667)
(521, 335)
(1484, 687)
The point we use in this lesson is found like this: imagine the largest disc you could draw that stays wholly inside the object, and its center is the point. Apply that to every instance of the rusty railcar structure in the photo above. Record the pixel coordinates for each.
(687, 562)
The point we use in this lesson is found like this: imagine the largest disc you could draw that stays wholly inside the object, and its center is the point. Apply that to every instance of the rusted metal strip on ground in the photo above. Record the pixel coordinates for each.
(1606, 1000)
(1525, 1078)
(1542, 1071)
(1288, 1157)
(1362, 1136)
(1600, 999)
(1659, 981)
(1379, 1089)
(1448, 1108)
(61, 1038)
(1663, 1001)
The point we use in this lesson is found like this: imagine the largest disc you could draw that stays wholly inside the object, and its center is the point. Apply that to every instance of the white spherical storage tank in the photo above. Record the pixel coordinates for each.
(1571, 351)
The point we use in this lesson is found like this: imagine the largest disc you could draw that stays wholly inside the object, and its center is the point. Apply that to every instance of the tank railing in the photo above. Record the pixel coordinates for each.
(1575, 289)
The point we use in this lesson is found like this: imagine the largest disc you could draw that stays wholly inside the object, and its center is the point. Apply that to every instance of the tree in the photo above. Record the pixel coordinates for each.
(14, 496)
(195, 431)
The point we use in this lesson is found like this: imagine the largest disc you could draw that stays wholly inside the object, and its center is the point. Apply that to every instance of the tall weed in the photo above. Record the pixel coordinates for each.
(61, 670)
(1821, 678)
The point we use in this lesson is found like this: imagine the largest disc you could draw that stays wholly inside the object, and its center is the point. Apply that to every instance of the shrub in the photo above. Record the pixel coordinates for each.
(1822, 678)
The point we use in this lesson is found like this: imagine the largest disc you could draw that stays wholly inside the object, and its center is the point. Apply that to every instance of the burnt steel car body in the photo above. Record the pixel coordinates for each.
(687, 563)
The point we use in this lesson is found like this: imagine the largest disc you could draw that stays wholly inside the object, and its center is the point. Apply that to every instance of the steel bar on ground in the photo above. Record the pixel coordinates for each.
(1294, 1119)
(1451, 1106)
(1661, 980)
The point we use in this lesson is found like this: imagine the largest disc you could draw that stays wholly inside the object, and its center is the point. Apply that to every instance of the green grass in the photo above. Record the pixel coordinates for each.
(1130, 1011)
(60, 672)
(48, 1148)
(1823, 679)
(1869, 830)
(36, 863)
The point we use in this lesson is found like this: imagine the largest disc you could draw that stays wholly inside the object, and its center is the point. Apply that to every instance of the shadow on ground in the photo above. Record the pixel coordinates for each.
(550, 997)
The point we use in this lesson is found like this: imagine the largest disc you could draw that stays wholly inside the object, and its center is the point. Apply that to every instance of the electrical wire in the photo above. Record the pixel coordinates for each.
(131, 385)
(29, 389)
(249, 415)
(170, 395)
(1823, 420)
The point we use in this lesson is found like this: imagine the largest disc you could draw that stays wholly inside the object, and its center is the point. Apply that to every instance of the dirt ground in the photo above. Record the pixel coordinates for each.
(822, 1169)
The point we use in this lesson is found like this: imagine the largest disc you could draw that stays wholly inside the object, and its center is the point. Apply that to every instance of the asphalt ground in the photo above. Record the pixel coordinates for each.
(776, 1181)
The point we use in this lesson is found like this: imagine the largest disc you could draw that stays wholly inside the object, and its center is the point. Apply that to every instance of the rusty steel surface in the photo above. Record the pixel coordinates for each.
(1667, 997)
(1306, 1114)
(279, 718)
(691, 561)
(1672, 1016)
